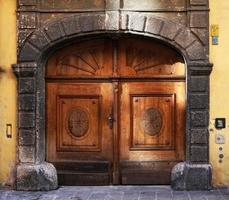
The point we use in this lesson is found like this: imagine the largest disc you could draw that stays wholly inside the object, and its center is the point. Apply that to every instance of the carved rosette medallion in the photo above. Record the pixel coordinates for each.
(151, 121)
(78, 122)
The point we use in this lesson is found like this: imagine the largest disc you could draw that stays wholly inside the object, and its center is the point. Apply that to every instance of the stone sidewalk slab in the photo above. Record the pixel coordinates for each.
(116, 193)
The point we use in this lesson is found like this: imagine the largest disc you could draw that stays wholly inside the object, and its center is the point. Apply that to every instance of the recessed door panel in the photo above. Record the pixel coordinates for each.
(152, 123)
(79, 123)
(151, 131)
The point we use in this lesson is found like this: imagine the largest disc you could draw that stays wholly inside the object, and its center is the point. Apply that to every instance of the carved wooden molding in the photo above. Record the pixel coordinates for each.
(79, 62)
(78, 122)
(151, 121)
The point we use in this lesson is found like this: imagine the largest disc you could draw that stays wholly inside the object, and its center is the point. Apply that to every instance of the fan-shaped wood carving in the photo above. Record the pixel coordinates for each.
(86, 62)
(144, 61)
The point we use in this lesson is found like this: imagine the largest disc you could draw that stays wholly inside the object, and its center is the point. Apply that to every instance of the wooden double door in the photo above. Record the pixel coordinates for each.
(115, 112)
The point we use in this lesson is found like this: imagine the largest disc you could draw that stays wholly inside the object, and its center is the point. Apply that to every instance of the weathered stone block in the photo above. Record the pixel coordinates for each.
(198, 2)
(71, 25)
(36, 177)
(26, 137)
(199, 101)
(28, 53)
(27, 20)
(170, 30)
(199, 153)
(199, 84)
(26, 102)
(124, 23)
(39, 40)
(27, 2)
(202, 34)
(137, 22)
(186, 176)
(152, 5)
(23, 34)
(199, 19)
(196, 51)
(112, 5)
(199, 136)
(198, 177)
(88, 23)
(199, 118)
(25, 69)
(153, 25)
(112, 20)
(26, 120)
(66, 5)
(26, 86)
(27, 154)
(185, 38)
(54, 31)
(178, 173)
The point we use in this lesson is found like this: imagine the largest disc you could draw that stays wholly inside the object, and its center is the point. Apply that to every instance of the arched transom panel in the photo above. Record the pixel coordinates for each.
(116, 58)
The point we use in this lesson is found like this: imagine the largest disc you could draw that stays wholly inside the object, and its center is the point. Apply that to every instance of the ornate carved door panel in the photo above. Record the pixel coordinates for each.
(115, 112)
(151, 131)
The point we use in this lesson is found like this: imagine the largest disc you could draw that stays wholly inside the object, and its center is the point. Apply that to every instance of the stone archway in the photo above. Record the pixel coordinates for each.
(33, 173)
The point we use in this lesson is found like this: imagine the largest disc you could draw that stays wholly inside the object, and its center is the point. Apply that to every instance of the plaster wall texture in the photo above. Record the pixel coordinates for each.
(219, 91)
(7, 91)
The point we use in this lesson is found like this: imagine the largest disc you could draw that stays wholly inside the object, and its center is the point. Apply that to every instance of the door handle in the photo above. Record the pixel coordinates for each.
(110, 121)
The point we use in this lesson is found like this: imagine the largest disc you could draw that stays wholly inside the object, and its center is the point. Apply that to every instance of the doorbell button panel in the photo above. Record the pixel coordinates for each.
(219, 139)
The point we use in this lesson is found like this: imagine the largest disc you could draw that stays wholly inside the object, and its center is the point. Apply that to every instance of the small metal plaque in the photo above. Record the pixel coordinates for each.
(220, 123)
(78, 122)
(151, 121)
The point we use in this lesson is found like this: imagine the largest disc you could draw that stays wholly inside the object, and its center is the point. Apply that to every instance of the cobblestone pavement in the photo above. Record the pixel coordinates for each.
(116, 193)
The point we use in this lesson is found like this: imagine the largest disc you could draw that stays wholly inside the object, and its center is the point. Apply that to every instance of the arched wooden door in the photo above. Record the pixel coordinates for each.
(115, 112)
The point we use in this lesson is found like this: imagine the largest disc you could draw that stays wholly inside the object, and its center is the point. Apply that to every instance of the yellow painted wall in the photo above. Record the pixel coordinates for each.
(219, 98)
(219, 102)
(7, 90)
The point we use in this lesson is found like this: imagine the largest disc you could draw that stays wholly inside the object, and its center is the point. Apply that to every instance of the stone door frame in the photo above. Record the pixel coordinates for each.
(33, 173)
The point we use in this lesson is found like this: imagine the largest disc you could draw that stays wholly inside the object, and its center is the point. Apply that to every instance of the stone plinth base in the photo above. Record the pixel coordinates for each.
(187, 176)
(36, 177)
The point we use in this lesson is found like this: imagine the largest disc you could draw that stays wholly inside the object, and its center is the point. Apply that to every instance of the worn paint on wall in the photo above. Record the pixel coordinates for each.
(219, 98)
(7, 91)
